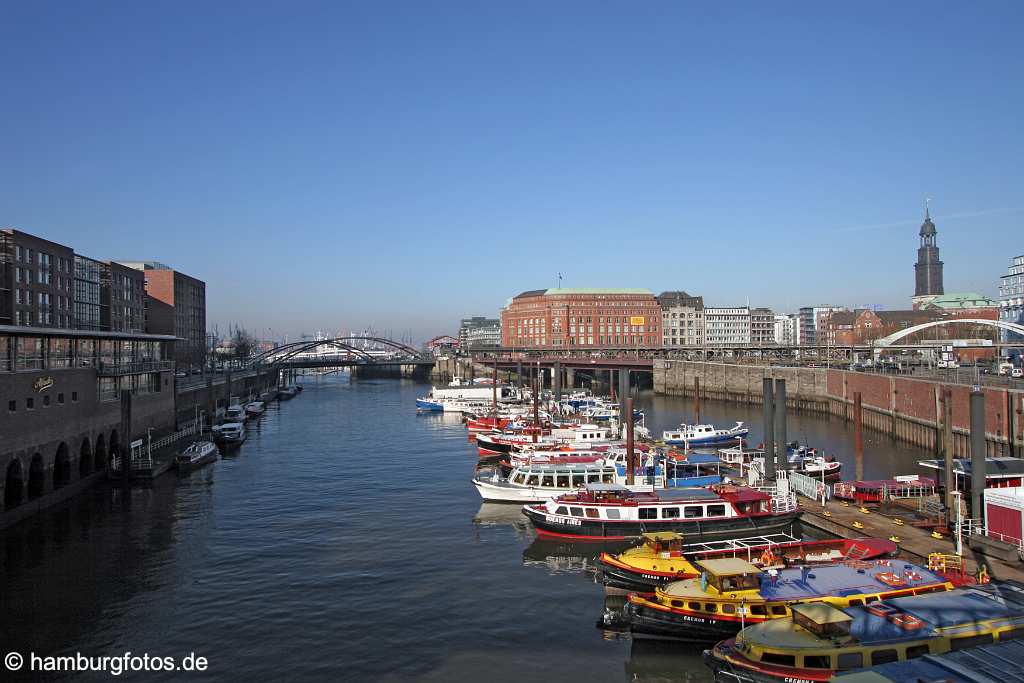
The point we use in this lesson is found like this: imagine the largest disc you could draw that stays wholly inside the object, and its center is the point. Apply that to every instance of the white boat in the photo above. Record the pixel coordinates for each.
(255, 409)
(533, 483)
(700, 435)
(198, 453)
(287, 393)
(234, 413)
(229, 433)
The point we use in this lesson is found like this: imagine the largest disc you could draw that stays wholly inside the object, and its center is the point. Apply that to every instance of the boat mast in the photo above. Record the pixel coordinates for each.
(536, 414)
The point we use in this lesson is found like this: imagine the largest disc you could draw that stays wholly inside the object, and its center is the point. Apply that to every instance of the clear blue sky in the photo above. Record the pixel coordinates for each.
(403, 164)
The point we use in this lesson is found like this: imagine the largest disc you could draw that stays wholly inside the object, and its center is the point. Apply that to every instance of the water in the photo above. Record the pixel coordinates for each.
(343, 541)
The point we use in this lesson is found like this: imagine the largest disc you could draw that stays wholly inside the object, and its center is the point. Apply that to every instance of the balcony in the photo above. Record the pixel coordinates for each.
(135, 368)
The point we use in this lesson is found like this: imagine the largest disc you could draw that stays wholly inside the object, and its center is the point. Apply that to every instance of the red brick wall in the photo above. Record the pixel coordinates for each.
(915, 398)
(160, 285)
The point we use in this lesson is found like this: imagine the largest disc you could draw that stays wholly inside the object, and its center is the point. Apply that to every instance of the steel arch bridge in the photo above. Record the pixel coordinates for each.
(896, 336)
(300, 354)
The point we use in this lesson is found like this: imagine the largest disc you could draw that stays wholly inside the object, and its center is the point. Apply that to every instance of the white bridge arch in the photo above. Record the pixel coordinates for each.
(896, 336)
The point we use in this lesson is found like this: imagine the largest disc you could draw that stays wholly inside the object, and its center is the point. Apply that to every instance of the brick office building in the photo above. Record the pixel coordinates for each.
(582, 319)
(175, 304)
(36, 281)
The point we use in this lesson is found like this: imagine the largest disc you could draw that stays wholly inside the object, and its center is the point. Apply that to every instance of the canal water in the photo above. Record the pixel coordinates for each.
(343, 541)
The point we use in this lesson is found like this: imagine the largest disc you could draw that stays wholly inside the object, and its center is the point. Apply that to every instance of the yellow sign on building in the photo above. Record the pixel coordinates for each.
(636, 320)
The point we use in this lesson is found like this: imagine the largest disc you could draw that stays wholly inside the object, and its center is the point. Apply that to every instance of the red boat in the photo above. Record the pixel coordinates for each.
(874, 490)
(486, 424)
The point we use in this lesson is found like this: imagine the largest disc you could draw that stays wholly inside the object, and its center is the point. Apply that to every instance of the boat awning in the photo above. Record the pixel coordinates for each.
(607, 488)
(662, 536)
(729, 566)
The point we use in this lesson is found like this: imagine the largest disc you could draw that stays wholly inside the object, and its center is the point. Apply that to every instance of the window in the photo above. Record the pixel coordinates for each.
(850, 660)
(693, 511)
(667, 513)
(578, 480)
(548, 480)
(817, 662)
(695, 606)
(969, 641)
(592, 513)
(46, 401)
(611, 513)
(563, 481)
(30, 404)
(884, 656)
(728, 608)
(12, 406)
(576, 512)
(562, 510)
(648, 513)
(74, 397)
(716, 511)
(709, 607)
(917, 651)
(758, 610)
(776, 658)
(779, 610)
(519, 478)
(60, 399)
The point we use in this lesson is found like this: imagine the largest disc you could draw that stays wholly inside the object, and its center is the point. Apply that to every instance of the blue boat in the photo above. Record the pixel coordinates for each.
(703, 435)
(429, 405)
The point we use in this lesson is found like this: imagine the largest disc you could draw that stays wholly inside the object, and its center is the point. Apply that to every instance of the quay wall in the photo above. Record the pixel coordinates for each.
(905, 408)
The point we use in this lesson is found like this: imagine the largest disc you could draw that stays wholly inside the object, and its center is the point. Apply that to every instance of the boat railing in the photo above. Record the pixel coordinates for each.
(809, 487)
(913, 489)
(976, 527)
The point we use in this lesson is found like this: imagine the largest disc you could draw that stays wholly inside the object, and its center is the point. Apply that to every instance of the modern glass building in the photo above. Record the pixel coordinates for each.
(1011, 298)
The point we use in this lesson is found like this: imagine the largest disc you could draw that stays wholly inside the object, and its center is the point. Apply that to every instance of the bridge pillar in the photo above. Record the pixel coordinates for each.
(556, 381)
(519, 374)
(780, 423)
(570, 378)
(769, 428)
(623, 395)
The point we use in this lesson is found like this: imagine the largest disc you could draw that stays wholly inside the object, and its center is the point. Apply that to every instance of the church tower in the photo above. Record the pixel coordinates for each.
(928, 269)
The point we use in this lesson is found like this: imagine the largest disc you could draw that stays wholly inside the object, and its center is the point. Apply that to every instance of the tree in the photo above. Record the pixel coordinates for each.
(243, 343)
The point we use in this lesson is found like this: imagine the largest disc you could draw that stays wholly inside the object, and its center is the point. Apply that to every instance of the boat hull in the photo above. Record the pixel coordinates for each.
(188, 466)
(645, 622)
(695, 531)
(726, 672)
(429, 406)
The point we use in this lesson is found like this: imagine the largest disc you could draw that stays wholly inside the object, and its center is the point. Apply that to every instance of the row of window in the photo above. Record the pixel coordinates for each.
(30, 402)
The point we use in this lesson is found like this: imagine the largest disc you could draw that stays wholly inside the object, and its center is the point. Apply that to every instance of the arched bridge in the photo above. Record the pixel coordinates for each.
(341, 352)
(1001, 324)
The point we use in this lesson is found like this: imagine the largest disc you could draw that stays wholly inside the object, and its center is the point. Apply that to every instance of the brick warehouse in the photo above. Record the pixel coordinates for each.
(582, 318)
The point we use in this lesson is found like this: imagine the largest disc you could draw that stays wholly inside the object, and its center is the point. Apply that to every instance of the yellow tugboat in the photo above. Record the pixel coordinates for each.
(732, 593)
(664, 556)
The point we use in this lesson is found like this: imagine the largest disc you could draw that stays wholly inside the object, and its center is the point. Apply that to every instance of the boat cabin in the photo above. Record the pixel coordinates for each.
(822, 619)
(565, 476)
(730, 574)
(663, 541)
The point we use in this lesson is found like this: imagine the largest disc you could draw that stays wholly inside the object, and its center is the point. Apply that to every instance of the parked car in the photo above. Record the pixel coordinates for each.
(1017, 373)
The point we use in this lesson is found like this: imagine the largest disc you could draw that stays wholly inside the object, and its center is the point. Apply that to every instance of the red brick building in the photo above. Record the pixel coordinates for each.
(850, 328)
(582, 319)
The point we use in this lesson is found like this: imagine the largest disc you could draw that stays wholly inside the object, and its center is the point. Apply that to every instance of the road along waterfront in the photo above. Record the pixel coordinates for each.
(343, 541)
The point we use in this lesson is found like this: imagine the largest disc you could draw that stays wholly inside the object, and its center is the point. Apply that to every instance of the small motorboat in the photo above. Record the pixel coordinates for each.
(429, 405)
(703, 435)
(234, 413)
(197, 454)
(229, 433)
(255, 409)
(287, 393)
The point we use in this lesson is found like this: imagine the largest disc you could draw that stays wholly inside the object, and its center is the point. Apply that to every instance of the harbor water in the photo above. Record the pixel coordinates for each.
(343, 541)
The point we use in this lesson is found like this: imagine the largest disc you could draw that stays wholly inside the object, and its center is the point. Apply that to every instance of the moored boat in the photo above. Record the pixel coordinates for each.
(664, 556)
(876, 490)
(229, 433)
(287, 393)
(605, 512)
(197, 454)
(703, 435)
(234, 413)
(821, 640)
(429, 405)
(732, 592)
(254, 409)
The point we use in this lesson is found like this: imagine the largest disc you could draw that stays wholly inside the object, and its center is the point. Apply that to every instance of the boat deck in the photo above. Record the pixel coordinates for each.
(842, 580)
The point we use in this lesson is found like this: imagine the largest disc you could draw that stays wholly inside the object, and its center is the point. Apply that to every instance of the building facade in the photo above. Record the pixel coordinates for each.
(811, 320)
(479, 332)
(727, 326)
(36, 281)
(88, 293)
(762, 327)
(582, 319)
(122, 298)
(786, 329)
(1011, 298)
(175, 304)
(928, 269)
(682, 319)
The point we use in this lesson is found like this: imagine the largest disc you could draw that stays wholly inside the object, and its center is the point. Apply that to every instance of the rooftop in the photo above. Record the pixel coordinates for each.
(563, 291)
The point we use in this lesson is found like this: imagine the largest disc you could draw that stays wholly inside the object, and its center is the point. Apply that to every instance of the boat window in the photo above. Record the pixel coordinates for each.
(758, 610)
(729, 608)
(562, 510)
(917, 651)
(1012, 634)
(548, 480)
(870, 599)
(576, 512)
(716, 511)
(779, 610)
(817, 662)
(694, 606)
(778, 658)
(693, 511)
(533, 480)
(579, 480)
(850, 660)
(709, 607)
(677, 603)
(666, 513)
(563, 481)
(969, 641)
(519, 478)
(884, 656)
(592, 512)
(593, 478)
(647, 513)
(611, 513)
(856, 602)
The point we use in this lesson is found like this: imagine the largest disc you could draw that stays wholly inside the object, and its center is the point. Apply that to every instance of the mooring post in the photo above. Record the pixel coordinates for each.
(947, 449)
(768, 391)
(611, 383)
(858, 437)
(519, 375)
(557, 382)
(780, 424)
(630, 453)
(696, 399)
(624, 417)
(978, 454)
(536, 410)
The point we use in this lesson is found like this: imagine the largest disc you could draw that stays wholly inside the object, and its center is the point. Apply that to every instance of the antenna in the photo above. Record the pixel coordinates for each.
(927, 215)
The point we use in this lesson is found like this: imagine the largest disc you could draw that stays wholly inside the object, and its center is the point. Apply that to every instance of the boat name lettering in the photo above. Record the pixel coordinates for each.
(558, 520)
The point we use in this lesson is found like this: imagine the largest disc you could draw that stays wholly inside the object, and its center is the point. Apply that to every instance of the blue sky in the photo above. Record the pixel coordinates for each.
(402, 164)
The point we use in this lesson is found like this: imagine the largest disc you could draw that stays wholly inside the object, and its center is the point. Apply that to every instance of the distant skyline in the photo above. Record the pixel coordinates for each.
(338, 166)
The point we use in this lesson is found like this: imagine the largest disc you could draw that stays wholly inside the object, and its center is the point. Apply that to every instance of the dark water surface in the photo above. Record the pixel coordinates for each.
(342, 542)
